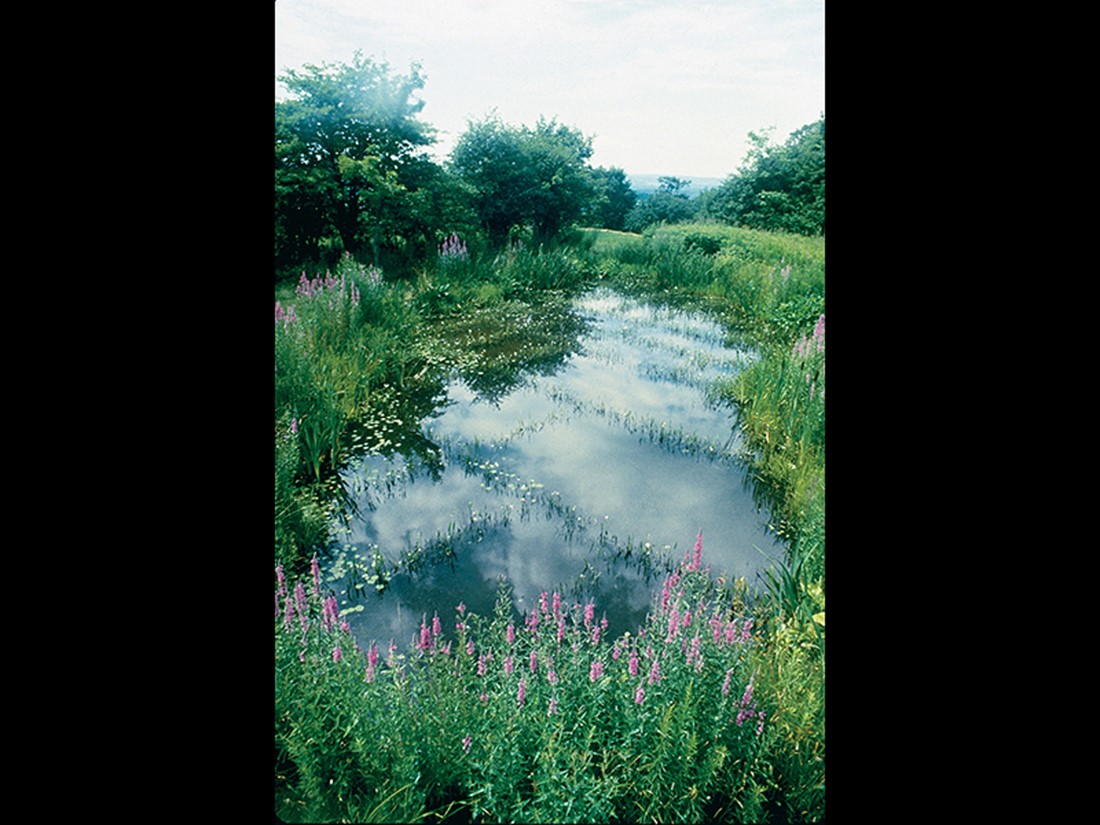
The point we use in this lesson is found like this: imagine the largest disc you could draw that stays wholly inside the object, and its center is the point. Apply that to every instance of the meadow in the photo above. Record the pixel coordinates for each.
(713, 710)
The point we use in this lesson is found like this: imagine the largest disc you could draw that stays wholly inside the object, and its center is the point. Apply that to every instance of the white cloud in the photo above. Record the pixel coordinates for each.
(666, 86)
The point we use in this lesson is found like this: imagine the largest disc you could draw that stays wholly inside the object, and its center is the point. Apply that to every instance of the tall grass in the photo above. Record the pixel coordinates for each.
(345, 335)
(534, 718)
(714, 710)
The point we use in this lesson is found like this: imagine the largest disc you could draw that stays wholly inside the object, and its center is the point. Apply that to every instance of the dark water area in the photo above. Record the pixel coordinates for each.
(590, 478)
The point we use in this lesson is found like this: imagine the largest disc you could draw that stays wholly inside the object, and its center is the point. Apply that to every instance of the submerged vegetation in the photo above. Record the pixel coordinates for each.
(393, 276)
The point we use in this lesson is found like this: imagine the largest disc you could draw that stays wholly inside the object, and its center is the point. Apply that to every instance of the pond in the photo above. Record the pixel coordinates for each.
(589, 474)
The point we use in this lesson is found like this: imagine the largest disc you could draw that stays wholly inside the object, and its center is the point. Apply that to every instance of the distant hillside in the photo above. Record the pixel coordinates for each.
(647, 184)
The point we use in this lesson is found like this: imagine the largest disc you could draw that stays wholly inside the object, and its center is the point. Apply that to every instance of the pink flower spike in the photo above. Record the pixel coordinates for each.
(639, 696)
(466, 742)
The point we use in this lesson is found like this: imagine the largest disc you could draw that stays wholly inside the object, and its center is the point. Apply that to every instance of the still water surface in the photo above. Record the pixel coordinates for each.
(590, 481)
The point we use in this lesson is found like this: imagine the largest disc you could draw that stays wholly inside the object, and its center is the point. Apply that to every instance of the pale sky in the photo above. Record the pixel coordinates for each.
(669, 87)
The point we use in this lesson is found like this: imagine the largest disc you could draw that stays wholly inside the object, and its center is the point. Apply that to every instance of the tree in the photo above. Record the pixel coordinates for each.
(613, 199)
(779, 188)
(669, 204)
(344, 141)
(525, 177)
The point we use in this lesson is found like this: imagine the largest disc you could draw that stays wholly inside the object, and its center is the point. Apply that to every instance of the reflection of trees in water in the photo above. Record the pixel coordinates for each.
(506, 346)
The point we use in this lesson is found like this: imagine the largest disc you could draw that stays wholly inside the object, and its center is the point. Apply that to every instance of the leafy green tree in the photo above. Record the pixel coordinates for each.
(669, 204)
(536, 178)
(345, 141)
(779, 187)
(612, 201)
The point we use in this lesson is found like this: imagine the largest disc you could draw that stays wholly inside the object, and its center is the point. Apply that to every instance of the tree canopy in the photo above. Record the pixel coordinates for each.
(779, 188)
(346, 143)
(536, 178)
(353, 174)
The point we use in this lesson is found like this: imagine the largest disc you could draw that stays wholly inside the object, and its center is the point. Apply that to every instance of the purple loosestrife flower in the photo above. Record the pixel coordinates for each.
(521, 693)
(697, 561)
(542, 602)
(655, 673)
(632, 667)
(596, 671)
(301, 605)
(553, 706)
(470, 648)
(716, 628)
(746, 630)
(437, 626)
(481, 663)
(726, 683)
(760, 724)
(329, 613)
(551, 676)
(673, 624)
(534, 662)
(508, 665)
(288, 612)
(639, 695)
(589, 613)
(466, 742)
(315, 572)
(555, 605)
(337, 653)
(510, 634)
(731, 632)
(281, 579)
(695, 656)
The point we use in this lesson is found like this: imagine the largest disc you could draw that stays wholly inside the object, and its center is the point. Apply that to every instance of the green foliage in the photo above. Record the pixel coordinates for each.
(349, 164)
(612, 201)
(779, 188)
(535, 718)
(525, 177)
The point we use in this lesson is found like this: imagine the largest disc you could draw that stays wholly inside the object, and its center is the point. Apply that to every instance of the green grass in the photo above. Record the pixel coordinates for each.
(424, 734)
(536, 718)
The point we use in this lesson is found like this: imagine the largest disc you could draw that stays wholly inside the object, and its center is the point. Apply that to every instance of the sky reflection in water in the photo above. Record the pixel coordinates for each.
(548, 486)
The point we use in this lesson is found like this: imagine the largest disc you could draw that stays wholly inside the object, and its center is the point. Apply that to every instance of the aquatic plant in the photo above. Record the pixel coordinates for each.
(648, 726)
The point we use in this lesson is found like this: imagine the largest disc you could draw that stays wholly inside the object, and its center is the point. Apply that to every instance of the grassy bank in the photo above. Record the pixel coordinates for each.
(711, 712)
